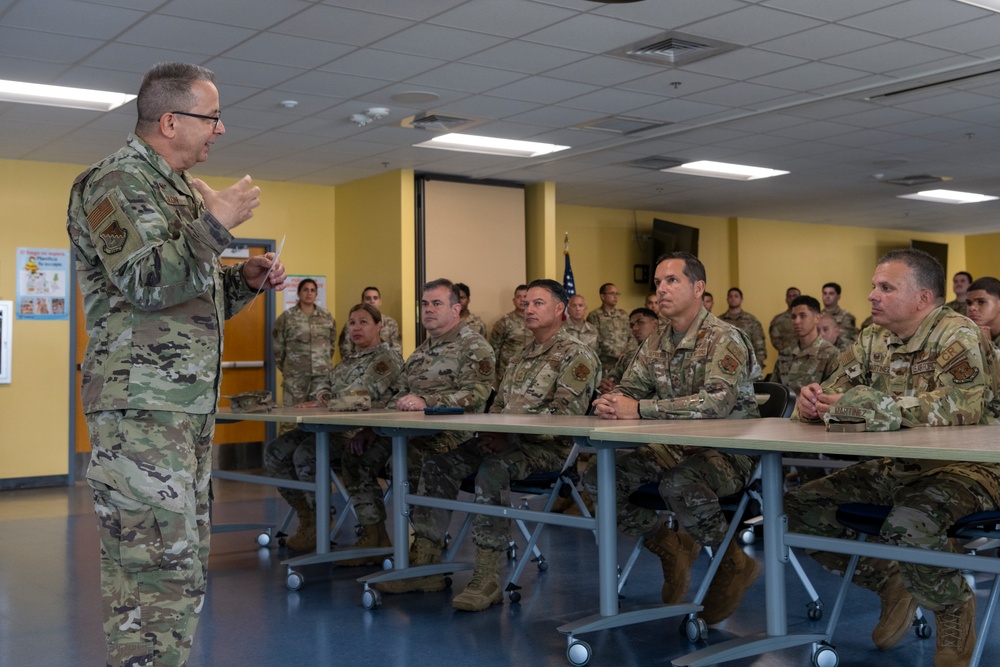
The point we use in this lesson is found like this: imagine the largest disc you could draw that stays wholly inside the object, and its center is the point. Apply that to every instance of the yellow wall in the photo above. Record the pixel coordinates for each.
(981, 252)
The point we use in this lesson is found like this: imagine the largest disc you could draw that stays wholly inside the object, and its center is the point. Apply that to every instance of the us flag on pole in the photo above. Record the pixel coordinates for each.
(568, 284)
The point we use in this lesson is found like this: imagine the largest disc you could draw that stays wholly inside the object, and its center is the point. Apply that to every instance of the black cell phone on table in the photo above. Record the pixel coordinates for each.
(444, 411)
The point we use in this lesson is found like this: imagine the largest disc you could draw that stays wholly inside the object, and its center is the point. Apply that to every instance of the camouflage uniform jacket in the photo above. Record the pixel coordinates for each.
(389, 334)
(782, 331)
(303, 344)
(453, 370)
(709, 374)
(585, 332)
(613, 336)
(796, 367)
(509, 337)
(946, 374)
(960, 307)
(154, 291)
(847, 324)
(373, 370)
(751, 326)
(476, 323)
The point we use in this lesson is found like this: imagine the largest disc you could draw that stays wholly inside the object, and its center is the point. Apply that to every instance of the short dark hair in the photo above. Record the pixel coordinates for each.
(605, 286)
(463, 289)
(693, 268)
(735, 289)
(165, 88)
(298, 290)
(988, 284)
(444, 282)
(556, 289)
(963, 273)
(520, 288)
(927, 271)
(835, 286)
(645, 312)
(371, 287)
(807, 301)
(792, 288)
(368, 308)
(708, 294)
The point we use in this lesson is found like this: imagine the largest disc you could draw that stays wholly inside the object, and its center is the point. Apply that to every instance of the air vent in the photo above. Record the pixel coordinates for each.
(433, 121)
(675, 49)
(917, 179)
(655, 163)
(620, 125)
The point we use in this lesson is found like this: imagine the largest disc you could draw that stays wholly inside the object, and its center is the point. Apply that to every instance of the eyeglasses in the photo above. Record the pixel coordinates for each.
(216, 119)
(610, 293)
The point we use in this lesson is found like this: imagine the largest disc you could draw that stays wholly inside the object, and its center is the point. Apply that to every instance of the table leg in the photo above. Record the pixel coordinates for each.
(607, 532)
(775, 551)
(400, 508)
(322, 492)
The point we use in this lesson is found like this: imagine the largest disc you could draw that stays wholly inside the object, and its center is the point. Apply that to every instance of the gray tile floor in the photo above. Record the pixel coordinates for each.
(50, 614)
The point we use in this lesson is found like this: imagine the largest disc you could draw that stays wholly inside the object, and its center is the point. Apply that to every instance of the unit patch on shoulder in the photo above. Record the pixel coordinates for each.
(114, 238)
(963, 371)
(114, 233)
(103, 209)
(381, 368)
(485, 367)
(729, 364)
(950, 353)
(581, 372)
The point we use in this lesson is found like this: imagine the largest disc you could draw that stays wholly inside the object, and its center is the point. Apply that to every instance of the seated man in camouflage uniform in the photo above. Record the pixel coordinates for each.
(780, 330)
(576, 322)
(390, 328)
(642, 323)
(557, 374)
(452, 368)
(983, 306)
(698, 367)
(362, 377)
(509, 335)
(918, 365)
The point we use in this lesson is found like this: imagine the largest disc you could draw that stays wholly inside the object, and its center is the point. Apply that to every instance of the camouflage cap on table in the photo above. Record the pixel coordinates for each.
(251, 401)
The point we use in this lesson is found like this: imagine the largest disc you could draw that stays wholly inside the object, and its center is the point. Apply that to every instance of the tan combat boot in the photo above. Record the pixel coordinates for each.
(424, 552)
(896, 617)
(304, 538)
(574, 510)
(372, 536)
(677, 553)
(484, 589)
(956, 634)
(733, 579)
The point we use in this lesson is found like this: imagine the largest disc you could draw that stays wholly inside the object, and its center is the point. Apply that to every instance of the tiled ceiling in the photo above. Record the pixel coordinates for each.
(802, 91)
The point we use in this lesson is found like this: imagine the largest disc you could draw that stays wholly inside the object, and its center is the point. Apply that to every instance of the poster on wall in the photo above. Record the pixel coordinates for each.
(290, 295)
(6, 329)
(42, 283)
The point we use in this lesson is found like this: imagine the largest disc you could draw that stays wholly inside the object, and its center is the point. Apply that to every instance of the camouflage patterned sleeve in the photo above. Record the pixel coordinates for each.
(498, 334)
(581, 373)
(237, 293)
(759, 342)
(473, 381)
(390, 333)
(278, 338)
(344, 344)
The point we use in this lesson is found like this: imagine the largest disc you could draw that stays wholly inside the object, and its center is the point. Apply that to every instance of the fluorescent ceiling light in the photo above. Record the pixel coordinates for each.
(949, 197)
(471, 143)
(992, 5)
(736, 172)
(60, 96)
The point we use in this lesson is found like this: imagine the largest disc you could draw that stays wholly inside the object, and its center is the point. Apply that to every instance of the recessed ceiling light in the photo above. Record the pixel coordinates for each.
(992, 5)
(949, 197)
(472, 143)
(735, 172)
(60, 96)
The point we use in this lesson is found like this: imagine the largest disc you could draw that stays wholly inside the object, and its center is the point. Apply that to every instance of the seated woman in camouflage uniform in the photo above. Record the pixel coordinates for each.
(357, 382)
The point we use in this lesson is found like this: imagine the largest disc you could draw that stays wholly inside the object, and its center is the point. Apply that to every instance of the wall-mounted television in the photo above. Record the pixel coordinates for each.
(672, 237)
(938, 251)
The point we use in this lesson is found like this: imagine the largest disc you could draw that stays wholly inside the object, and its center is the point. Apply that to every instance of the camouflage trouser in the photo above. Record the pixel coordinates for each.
(151, 472)
(442, 477)
(292, 455)
(633, 469)
(361, 471)
(925, 507)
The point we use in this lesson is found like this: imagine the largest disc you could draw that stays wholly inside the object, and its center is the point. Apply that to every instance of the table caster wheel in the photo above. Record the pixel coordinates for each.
(371, 599)
(543, 565)
(748, 537)
(263, 539)
(294, 580)
(815, 612)
(515, 596)
(281, 542)
(825, 656)
(388, 563)
(922, 628)
(578, 653)
(695, 629)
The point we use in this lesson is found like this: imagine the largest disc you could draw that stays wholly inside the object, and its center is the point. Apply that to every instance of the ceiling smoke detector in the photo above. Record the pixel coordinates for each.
(914, 180)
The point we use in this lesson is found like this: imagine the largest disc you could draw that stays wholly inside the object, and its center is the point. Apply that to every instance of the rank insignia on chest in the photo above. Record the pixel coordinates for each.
(581, 372)
(729, 364)
(963, 371)
(114, 238)
(485, 367)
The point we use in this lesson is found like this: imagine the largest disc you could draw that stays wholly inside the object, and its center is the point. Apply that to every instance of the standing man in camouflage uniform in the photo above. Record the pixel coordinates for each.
(303, 339)
(510, 335)
(828, 329)
(452, 368)
(920, 365)
(745, 322)
(983, 298)
(577, 325)
(556, 374)
(698, 367)
(642, 323)
(390, 328)
(780, 330)
(147, 239)
(611, 322)
(469, 318)
(845, 321)
(813, 359)
(960, 285)
(361, 380)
